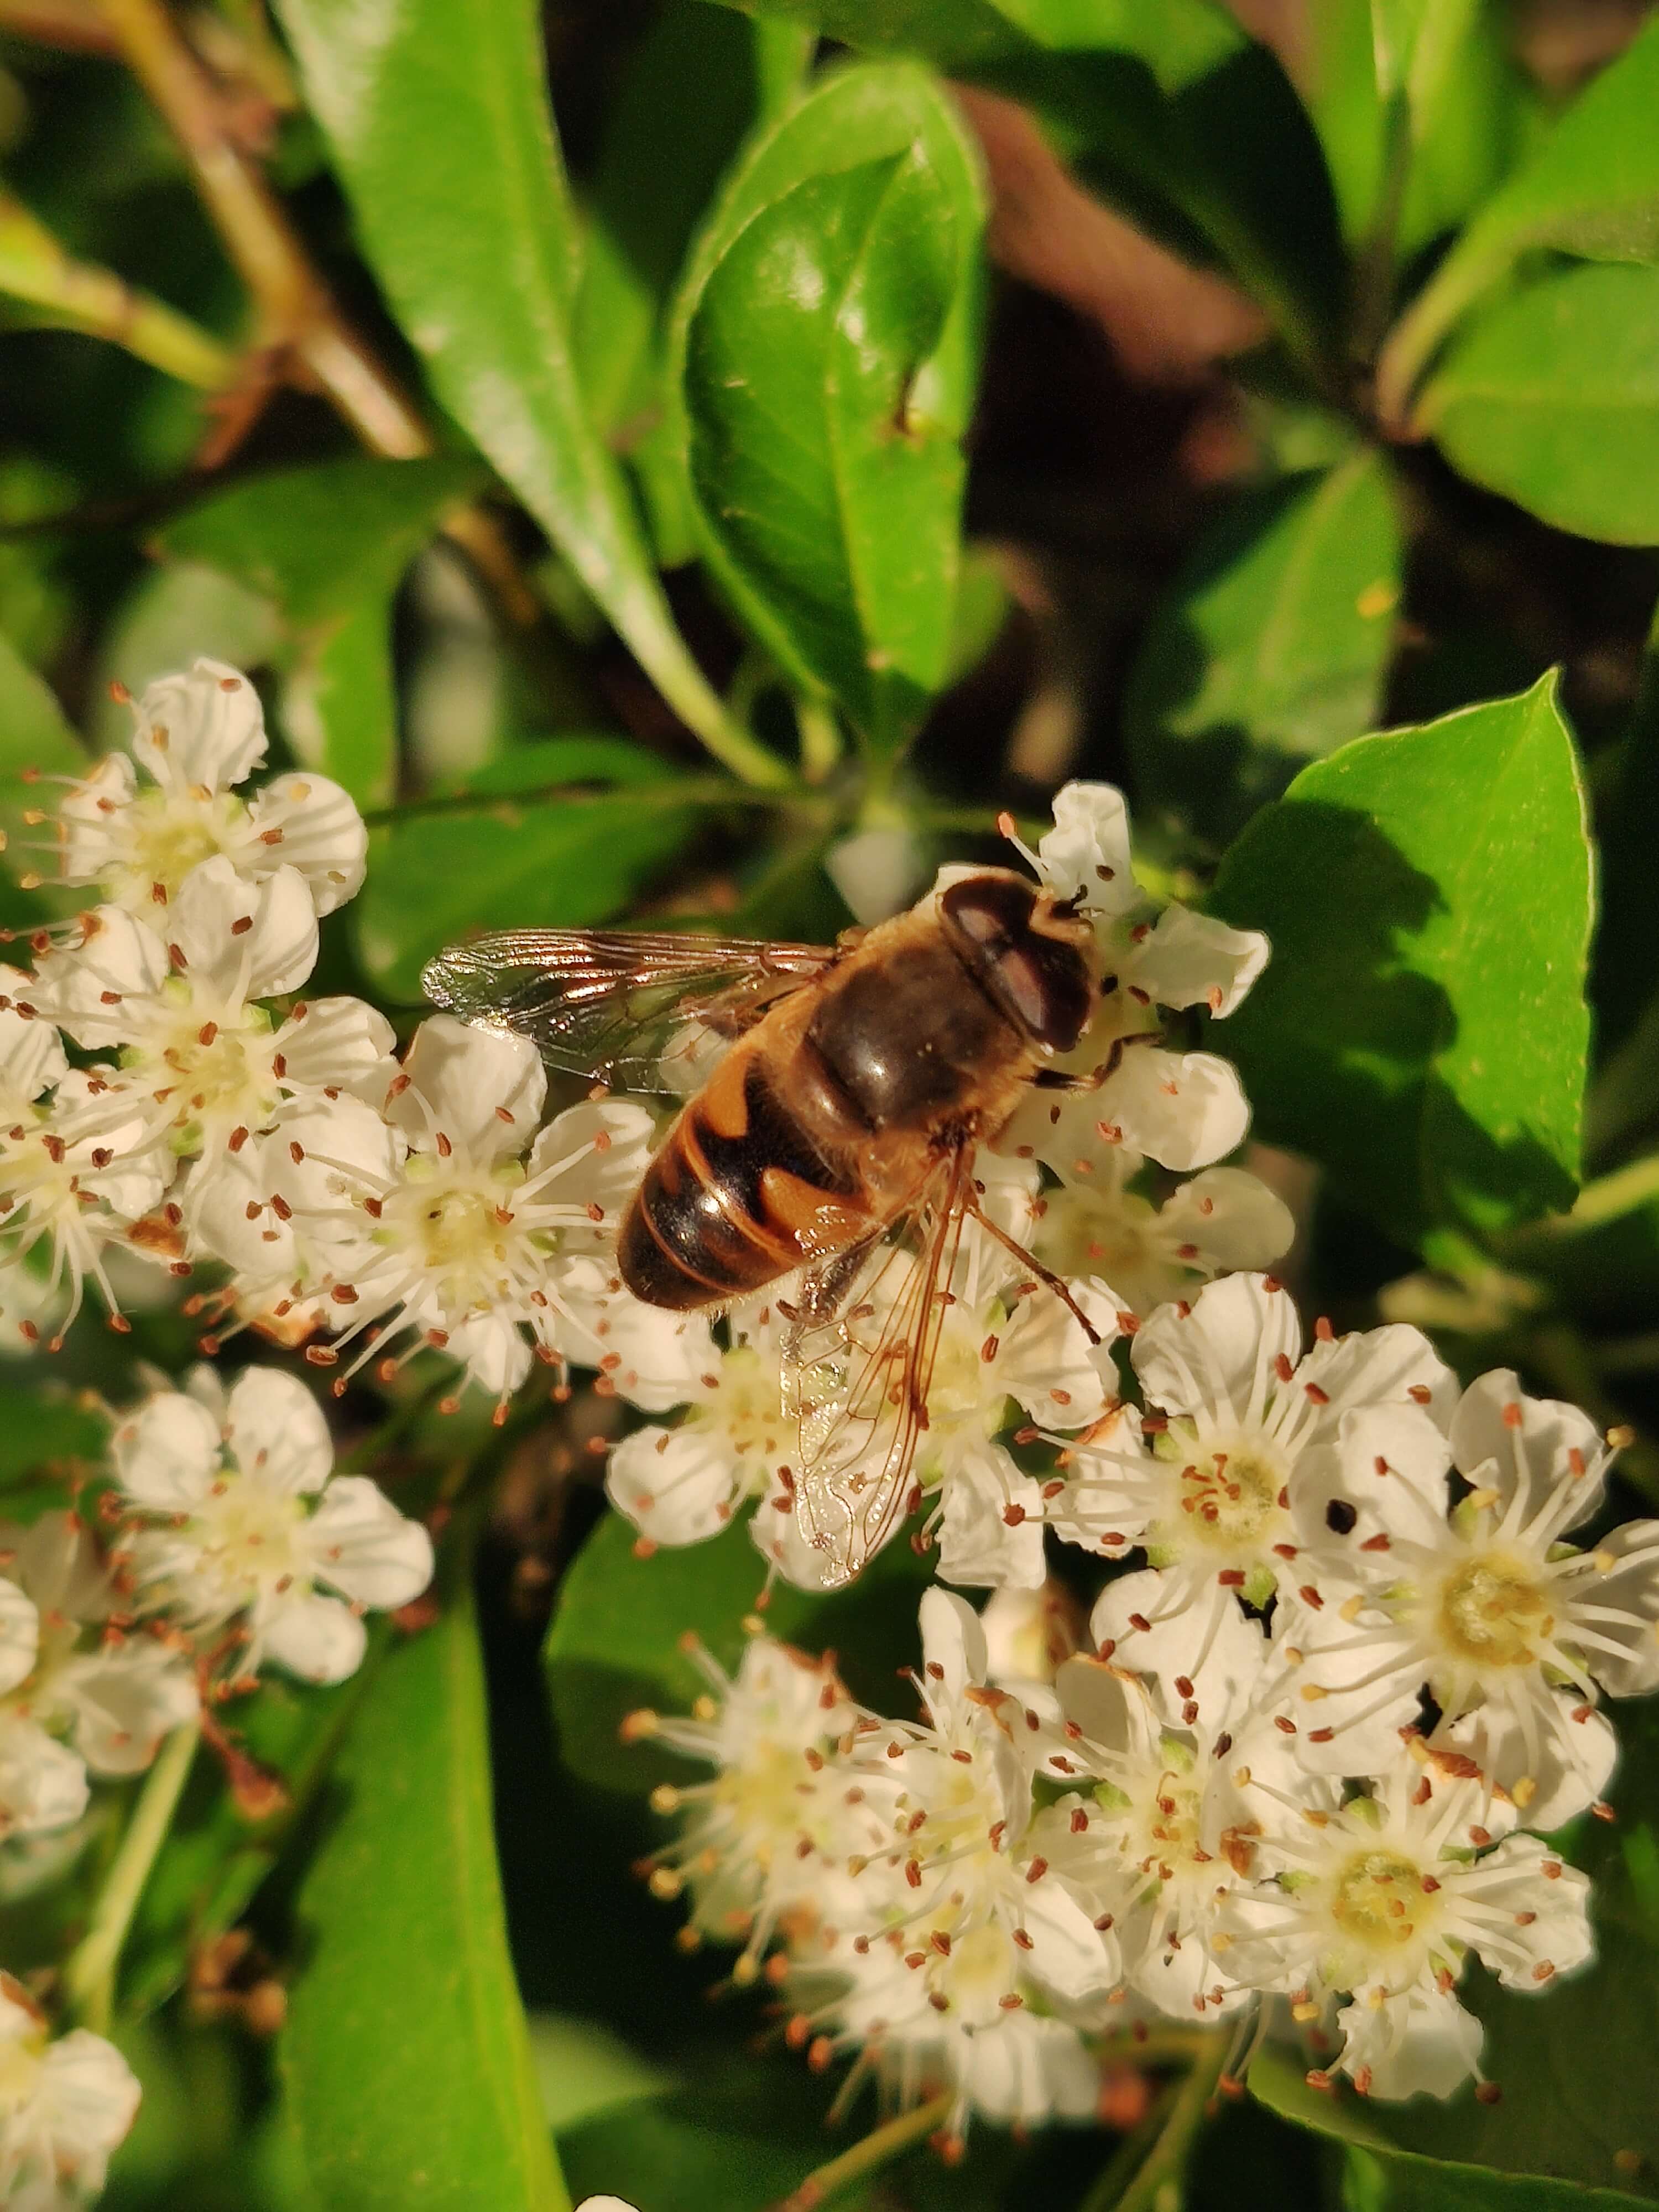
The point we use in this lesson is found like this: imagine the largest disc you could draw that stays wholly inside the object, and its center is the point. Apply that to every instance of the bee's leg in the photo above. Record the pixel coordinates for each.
(1054, 1078)
(971, 1205)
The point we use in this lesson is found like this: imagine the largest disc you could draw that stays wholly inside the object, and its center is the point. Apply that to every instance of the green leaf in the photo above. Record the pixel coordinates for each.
(540, 863)
(33, 735)
(661, 161)
(1551, 397)
(825, 346)
(1417, 104)
(1421, 1030)
(1571, 2099)
(615, 1642)
(1592, 189)
(1166, 104)
(215, 1857)
(406, 2059)
(1272, 648)
(446, 149)
(328, 547)
(42, 1433)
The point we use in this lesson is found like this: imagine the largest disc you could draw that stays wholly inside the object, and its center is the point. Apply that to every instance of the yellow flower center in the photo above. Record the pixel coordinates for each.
(247, 1534)
(169, 834)
(1494, 1612)
(1380, 1901)
(1230, 1498)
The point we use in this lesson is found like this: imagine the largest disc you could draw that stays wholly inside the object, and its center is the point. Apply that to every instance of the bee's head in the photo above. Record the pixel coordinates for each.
(1033, 954)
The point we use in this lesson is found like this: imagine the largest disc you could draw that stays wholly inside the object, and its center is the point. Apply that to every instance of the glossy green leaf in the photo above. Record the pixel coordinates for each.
(328, 547)
(1272, 648)
(406, 2059)
(45, 1431)
(1166, 104)
(446, 146)
(1417, 104)
(823, 340)
(615, 1642)
(1572, 2100)
(1592, 189)
(1551, 397)
(33, 735)
(660, 163)
(1421, 1030)
(524, 863)
(215, 1856)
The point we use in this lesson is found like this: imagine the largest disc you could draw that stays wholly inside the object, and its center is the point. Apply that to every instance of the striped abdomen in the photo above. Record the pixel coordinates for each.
(738, 1195)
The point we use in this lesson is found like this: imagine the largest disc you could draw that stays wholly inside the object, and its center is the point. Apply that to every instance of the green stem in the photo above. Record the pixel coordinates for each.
(1418, 336)
(1166, 2160)
(877, 2150)
(690, 791)
(90, 1975)
(1607, 1198)
(820, 737)
(35, 268)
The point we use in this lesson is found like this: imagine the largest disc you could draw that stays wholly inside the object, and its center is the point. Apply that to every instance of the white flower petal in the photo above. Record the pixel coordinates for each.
(1416, 2043)
(677, 1485)
(43, 1784)
(1086, 855)
(1218, 1356)
(1206, 1644)
(1555, 1752)
(81, 986)
(977, 1545)
(493, 1352)
(338, 1043)
(119, 1701)
(87, 2099)
(277, 1433)
(167, 1453)
(1190, 959)
(20, 1636)
(203, 726)
(1231, 1219)
(1617, 1586)
(246, 940)
(319, 1638)
(952, 1643)
(364, 1548)
(1027, 2069)
(1044, 1359)
(1546, 1917)
(321, 834)
(1183, 1109)
(470, 1078)
(1538, 1454)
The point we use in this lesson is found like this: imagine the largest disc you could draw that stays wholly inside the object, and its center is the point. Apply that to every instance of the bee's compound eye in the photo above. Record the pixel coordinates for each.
(1041, 983)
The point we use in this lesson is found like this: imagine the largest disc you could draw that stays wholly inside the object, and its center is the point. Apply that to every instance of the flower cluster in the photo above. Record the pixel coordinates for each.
(1295, 1760)
(232, 1544)
(218, 1117)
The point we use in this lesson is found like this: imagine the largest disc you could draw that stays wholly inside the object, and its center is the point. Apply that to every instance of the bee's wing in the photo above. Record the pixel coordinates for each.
(610, 1004)
(858, 1363)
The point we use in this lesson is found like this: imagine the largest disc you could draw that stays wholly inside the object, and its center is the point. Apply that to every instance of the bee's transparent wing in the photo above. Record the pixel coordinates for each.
(613, 1005)
(858, 1362)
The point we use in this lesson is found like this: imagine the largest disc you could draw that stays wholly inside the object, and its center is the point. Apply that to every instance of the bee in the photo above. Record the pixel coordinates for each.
(835, 1139)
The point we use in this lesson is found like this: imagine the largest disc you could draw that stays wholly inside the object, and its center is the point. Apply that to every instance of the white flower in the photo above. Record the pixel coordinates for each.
(1381, 1899)
(1510, 1630)
(113, 1698)
(241, 1523)
(194, 737)
(962, 1891)
(64, 2107)
(465, 1226)
(204, 1064)
(1183, 1109)
(1021, 2070)
(1165, 1833)
(1249, 1445)
(68, 1179)
(769, 1836)
(1095, 1223)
